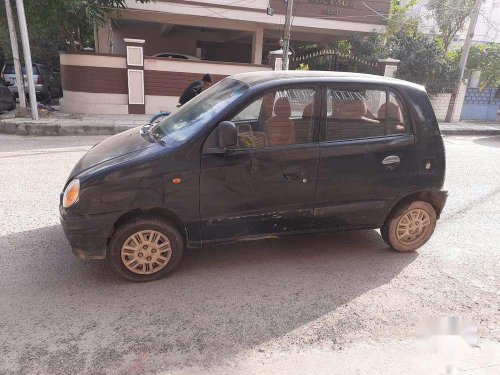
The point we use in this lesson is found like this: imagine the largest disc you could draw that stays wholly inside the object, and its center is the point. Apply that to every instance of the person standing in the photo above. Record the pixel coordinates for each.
(195, 88)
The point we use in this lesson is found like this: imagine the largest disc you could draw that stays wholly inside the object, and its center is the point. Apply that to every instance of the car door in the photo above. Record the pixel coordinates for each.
(366, 153)
(265, 184)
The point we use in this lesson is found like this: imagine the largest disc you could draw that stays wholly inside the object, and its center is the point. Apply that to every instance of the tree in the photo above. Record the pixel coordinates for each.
(423, 61)
(75, 19)
(45, 40)
(450, 17)
(400, 18)
(55, 25)
(485, 58)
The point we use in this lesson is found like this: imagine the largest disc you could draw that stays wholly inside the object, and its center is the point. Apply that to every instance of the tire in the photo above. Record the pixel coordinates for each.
(142, 240)
(385, 234)
(13, 106)
(411, 220)
(47, 98)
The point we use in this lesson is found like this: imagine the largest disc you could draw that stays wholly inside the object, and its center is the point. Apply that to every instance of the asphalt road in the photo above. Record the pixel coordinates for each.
(338, 303)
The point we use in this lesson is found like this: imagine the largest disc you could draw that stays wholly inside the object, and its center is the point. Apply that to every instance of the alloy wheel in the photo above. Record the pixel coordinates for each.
(412, 226)
(146, 252)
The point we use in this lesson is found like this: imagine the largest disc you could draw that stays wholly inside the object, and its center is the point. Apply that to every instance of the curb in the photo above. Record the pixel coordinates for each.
(61, 129)
(471, 132)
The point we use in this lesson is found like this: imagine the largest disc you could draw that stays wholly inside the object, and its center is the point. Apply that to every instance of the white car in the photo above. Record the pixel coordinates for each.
(181, 56)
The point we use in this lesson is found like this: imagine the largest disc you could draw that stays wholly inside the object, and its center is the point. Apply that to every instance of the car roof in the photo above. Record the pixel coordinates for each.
(288, 76)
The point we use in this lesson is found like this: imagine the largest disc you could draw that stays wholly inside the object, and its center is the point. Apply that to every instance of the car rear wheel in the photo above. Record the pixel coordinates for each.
(146, 248)
(47, 98)
(409, 227)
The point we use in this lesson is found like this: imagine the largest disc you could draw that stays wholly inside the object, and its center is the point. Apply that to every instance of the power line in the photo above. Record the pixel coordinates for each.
(374, 11)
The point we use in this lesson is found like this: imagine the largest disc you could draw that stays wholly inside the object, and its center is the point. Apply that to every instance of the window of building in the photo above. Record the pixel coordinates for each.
(278, 118)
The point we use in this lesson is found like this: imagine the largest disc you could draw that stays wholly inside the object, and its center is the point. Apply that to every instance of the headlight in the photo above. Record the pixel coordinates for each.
(71, 193)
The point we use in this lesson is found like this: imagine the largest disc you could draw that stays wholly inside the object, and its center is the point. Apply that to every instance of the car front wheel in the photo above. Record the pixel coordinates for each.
(409, 227)
(146, 248)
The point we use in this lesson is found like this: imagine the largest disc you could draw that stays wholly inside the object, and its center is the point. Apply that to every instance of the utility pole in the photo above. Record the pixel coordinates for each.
(465, 55)
(286, 33)
(15, 56)
(23, 29)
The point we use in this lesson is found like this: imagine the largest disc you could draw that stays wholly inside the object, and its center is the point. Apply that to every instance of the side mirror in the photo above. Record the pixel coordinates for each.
(227, 135)
(224, 136)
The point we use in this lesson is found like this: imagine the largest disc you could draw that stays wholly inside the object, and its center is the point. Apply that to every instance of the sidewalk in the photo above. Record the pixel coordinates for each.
(57, 123)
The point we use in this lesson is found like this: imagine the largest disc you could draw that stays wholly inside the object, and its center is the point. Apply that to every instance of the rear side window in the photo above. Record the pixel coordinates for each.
(398, 119)
(364, 113)
(355, 114)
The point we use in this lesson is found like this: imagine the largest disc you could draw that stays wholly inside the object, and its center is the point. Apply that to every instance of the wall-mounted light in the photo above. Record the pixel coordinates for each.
(270, 10)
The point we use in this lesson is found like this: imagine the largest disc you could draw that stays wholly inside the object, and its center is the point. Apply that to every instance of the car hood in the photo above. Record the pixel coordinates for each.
(116, 149)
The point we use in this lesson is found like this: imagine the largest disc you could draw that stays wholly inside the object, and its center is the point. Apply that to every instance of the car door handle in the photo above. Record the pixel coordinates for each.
(391, 162)
(293, 176)
(293, 173)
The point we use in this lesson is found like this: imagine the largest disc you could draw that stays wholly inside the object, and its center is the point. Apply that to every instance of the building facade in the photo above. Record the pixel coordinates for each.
(237, 31)
(220, 37)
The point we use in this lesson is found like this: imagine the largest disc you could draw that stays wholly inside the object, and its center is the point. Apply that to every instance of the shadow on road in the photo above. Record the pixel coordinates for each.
(488, 141)
(221, 300)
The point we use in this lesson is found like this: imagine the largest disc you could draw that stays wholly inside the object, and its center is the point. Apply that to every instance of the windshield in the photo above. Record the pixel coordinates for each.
(193, 115)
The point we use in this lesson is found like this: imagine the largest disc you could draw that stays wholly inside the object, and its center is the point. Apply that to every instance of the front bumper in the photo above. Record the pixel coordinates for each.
(88, 234)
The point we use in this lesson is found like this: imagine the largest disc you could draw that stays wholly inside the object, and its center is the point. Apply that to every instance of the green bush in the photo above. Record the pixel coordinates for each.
(423, 61)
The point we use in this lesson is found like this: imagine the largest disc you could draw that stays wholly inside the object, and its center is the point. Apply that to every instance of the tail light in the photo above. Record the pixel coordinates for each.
(2, 75)
(39, 81)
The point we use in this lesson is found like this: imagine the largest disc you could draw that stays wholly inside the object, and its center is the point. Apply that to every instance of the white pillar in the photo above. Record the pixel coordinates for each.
(257, 44)
(459, 102)
(15, 56)
(23, 28)
(388, 67)
(135, 74)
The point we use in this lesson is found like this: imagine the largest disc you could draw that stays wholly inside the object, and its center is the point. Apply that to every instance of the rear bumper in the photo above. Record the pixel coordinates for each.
(88, 235)
(440, 200)
(38, 89)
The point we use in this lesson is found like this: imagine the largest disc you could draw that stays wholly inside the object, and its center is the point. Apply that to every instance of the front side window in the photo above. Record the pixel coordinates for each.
(195, 114)
(278, 118)
(364, 113)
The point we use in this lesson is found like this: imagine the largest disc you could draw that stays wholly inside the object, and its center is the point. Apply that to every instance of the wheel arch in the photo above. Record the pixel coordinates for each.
(436, 198)
(161, 212)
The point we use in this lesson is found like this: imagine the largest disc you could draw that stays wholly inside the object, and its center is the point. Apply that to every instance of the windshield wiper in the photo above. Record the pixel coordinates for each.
(157, 137)
(154, 137)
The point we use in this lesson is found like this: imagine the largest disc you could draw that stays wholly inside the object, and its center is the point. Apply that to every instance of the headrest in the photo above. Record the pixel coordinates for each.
(308, 111)
(349, 109)
(394, 111)
(282, 108)
(267, 103)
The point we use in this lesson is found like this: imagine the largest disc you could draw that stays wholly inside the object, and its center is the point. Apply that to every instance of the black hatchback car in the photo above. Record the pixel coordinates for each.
(258, 155)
